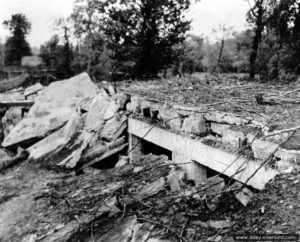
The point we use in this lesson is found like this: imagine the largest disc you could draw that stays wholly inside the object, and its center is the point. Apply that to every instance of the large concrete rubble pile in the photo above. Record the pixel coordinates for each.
(71, 119)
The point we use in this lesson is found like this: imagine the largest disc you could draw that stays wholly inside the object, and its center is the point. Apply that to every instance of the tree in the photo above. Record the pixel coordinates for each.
(54, 56)
(144, 32)
(222, 33)
(88, 29)
(16, 46)
(285, 22)
(1, 54)
(257, 16)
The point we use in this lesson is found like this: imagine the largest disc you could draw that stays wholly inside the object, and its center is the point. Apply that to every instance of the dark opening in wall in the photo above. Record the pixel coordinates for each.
(148, 147)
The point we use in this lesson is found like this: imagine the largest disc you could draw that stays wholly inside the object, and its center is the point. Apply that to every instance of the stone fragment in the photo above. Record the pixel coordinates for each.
(195, 125)
(31, 128)
(114, 127)
(52, 109)
(124, 160)
(236, 139)
(75, 149)
(219, 128)
(226, 118)
(175, 180)
(193, 170)
(261, 149)
(176, 122)
(122, 99)
(221, 224)
(11, 118)
(34, 89)
(101, 109)
(135, 105)
(244, 196)
(57, 139)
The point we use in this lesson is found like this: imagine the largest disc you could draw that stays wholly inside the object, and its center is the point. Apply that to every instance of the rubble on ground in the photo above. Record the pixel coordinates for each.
(55, 137)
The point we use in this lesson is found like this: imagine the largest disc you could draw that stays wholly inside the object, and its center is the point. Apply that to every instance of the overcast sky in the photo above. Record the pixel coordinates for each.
(206, 15)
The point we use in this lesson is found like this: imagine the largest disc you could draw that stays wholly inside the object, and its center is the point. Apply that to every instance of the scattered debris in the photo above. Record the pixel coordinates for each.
(73, 126)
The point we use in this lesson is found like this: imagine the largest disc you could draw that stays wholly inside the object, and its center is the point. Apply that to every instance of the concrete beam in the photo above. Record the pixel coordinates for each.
(213, 158)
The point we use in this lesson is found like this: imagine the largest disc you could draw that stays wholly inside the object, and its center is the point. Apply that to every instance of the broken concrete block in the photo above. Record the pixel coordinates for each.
(193, 170)
(56, 139)
(135, 105)
(101, 110)
(114, 127)
(52, 109)
(122, 99)
(167, 112)
(218, 128)
(236, 139)
(11, 118)
(176, 122)
(67, 93)
(290, 156)
(76, 147)
(261, 149)
(221, 224)
(124, 160)
(244, 195)
(195, 125)
(226, 118)
(175, 180)
(33, 128)
(34, 89)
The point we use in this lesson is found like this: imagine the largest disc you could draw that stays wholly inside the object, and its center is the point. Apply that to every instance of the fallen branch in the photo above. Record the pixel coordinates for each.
(282, 131)
(260, 99)
(290, 92)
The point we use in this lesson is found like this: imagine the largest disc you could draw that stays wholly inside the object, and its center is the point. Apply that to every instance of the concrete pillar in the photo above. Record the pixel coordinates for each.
(135, 147)
(194, 171)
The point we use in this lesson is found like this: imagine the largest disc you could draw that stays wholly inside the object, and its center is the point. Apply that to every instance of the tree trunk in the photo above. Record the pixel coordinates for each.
(256, 40)
(220, 55)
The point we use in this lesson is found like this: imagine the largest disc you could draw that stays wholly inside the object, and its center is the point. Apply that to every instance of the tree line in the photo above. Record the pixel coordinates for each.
(147, 38)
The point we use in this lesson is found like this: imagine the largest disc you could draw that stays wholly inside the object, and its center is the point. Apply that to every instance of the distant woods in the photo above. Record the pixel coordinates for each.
(150, 38)
(16, 45)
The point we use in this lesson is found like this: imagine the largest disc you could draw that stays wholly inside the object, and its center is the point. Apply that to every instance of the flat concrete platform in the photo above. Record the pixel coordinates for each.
(218, 160)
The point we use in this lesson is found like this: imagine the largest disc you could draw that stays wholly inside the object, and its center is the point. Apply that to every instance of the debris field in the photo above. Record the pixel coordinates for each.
(72, 171)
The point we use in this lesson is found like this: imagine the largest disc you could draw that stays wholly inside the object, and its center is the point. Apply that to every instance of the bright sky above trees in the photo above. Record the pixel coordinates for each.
(206, 15)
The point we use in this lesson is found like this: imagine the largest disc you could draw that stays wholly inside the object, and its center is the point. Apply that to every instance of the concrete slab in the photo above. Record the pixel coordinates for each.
(213, 158)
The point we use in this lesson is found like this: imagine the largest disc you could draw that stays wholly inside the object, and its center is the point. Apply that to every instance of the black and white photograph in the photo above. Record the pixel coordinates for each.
(149, 120)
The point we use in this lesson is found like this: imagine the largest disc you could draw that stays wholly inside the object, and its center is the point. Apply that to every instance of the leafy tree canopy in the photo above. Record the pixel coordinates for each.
(16, 46)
